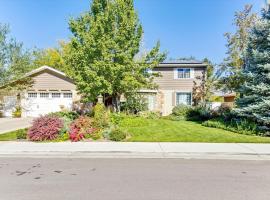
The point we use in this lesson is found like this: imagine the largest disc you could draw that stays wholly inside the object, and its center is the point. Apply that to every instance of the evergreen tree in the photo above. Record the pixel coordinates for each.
(105, 41)
(255, 103)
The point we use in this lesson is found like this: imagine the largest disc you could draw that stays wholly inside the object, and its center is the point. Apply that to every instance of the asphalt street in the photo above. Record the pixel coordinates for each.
(133, 179)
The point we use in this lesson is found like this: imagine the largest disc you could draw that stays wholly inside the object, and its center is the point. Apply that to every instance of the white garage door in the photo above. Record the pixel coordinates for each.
(41, 103)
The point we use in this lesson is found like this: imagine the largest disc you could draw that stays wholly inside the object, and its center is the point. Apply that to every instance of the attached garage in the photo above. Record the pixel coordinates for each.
(51, 91)
(40, 103)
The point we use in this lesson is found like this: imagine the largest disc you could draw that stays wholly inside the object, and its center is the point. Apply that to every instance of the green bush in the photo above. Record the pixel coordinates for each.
(242, 126)
(184, 112)
(21, 134)
(66, 125)
(72, 115)
(116, 118)
(101, 116)
(199, 113)
(135, 102)
(181, 111)
(117, 135)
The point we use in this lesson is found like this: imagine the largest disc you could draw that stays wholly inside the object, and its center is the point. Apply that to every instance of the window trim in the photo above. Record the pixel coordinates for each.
(184, 92)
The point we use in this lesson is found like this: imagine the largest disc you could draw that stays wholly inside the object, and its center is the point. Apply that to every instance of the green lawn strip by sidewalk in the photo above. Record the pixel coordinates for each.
(13, 135)
(8, 136)
(161, 130)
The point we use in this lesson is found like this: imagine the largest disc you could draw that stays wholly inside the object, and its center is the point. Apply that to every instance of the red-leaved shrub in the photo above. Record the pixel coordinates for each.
(80, 128)
(45, 128)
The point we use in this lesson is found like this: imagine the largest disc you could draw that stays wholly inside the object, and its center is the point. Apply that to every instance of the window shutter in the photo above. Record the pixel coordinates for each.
(173, 99)
(192, 73)
(175, 73)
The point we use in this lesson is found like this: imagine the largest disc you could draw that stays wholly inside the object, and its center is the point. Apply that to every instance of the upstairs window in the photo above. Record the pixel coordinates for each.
(183, 73)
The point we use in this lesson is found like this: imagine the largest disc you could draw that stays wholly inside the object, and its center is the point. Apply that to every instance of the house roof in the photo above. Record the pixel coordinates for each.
(35, 71)
(182, 63)
(40, 69)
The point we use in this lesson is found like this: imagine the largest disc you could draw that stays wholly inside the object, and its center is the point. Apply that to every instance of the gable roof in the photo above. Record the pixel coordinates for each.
(40, 69)
(182, 63)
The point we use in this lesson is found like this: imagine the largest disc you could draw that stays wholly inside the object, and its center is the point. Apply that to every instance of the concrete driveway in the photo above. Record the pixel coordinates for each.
(12, 124)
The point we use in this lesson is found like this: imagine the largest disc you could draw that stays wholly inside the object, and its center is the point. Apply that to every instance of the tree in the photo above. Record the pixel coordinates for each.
(236, 46)
(204, 86)
(14, 62)
(53, 57)
(105, 41)
(255, 103)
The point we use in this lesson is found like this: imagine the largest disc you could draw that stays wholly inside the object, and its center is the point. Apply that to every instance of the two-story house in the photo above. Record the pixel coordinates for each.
(175, 84)
(52, 90)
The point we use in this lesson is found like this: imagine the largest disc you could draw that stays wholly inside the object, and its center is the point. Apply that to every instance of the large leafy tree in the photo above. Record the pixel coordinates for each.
(105, 41)
(236, 45)
(53, 57)
(255, 103)
(15, 61)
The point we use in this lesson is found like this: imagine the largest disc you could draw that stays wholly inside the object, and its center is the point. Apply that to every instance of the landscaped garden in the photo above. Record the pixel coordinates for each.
(185, 124)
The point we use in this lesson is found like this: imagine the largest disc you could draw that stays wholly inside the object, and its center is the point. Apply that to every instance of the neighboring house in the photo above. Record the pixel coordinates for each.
(223, 98)
(53, 91)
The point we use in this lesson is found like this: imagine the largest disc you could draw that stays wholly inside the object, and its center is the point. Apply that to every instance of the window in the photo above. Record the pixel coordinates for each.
(183, 73)
(183, 98)
(32, 95)
(67, 95)
(56, 95)
(44, 95)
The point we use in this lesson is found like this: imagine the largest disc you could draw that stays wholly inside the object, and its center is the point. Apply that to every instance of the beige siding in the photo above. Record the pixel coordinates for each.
(167, 81)
(47, 80)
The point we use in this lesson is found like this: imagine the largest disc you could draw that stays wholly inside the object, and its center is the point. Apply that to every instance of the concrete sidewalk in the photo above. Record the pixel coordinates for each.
(136, 150)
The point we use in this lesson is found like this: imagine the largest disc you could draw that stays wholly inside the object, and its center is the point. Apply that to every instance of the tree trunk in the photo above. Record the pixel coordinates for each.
(116, 103)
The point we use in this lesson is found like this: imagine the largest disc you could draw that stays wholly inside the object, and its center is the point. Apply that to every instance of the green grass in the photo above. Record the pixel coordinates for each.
(8, 136)
(161, 130)
(13, 135)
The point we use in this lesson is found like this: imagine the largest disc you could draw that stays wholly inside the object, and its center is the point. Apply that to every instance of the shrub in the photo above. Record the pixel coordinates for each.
(21, 134)
(81, 128)
(242, 126)
(62, 137)
(116, 118)
(181, 111)
(199, 113)
(45, 128)
(66, 125)
(117, 135)
(135, 102)
(101, 116)
(72, 115)
(17, 113)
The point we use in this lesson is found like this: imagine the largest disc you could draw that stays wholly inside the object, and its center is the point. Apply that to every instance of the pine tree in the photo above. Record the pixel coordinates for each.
(105, 41)
(255, 103)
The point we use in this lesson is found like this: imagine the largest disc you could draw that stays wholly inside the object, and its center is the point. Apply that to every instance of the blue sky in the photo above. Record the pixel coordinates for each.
(184, 27)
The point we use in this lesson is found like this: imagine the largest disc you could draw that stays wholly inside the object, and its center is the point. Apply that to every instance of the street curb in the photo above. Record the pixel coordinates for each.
(137, 155)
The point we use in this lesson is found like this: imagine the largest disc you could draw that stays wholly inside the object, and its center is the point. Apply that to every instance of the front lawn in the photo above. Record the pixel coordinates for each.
(161, 130)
